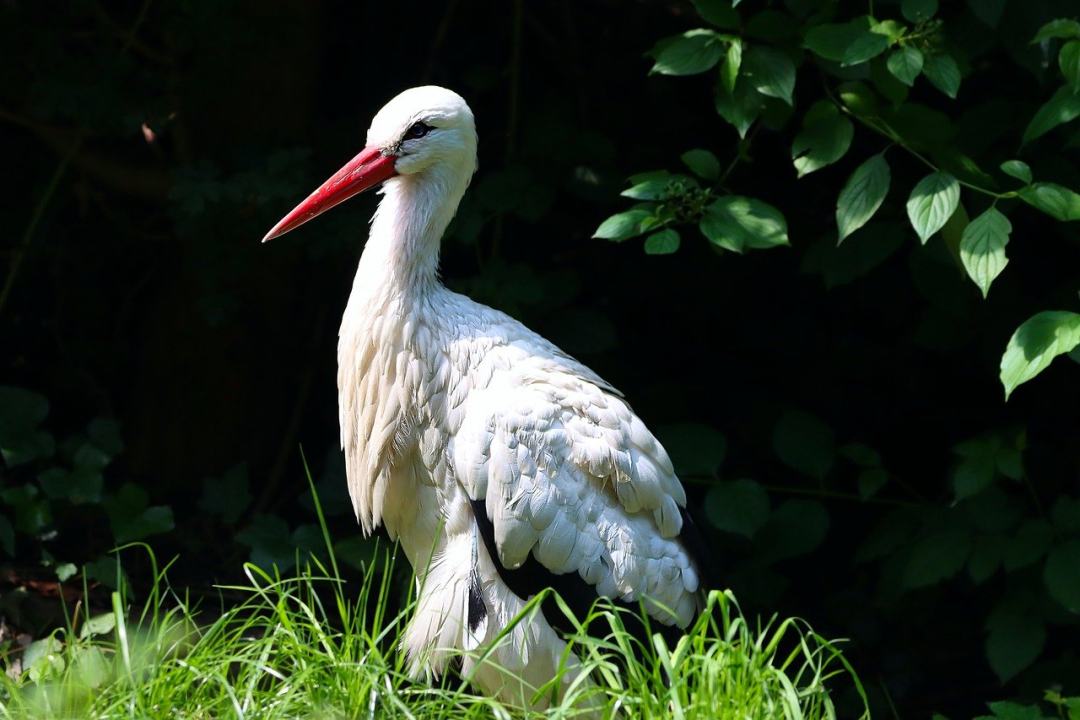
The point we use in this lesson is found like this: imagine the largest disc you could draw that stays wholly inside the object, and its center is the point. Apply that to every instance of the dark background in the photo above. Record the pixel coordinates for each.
(143, 296)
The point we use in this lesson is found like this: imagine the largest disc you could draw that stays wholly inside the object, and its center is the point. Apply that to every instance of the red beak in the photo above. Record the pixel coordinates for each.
(363, 172)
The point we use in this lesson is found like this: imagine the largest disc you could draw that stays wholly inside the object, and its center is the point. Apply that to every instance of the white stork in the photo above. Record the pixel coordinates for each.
(481, 446)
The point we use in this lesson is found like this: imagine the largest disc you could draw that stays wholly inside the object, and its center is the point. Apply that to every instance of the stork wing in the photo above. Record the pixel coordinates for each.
(567, 473)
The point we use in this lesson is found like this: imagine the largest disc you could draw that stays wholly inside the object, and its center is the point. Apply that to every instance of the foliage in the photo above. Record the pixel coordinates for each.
(756, 79)
(867, 68)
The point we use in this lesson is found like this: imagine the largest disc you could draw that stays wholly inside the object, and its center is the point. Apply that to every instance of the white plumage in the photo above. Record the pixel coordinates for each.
(448, 407)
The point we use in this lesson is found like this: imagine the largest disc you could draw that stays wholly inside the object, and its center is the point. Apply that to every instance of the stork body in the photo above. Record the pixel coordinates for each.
(476, 442)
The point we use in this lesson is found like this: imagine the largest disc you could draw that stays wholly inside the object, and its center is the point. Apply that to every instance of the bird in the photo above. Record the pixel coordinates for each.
(486, 451)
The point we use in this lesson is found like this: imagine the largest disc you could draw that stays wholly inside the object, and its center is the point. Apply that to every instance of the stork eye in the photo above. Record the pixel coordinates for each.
(417, 130)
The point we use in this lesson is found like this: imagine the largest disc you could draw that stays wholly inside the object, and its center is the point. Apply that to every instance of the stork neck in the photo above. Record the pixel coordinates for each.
(402, 251)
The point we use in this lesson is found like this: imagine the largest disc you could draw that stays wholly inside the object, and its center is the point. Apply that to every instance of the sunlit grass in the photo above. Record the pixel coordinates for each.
(310, 646)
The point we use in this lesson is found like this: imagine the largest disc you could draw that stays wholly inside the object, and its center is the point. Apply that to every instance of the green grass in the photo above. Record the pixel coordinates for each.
(284, 651)
(312, 646)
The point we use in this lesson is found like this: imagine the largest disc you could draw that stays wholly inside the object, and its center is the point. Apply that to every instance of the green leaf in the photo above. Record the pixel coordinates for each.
(866, 46)
(1066, 514)
(1056, 201)
(831, 40)
(729, 72)
(740, 507)
(932, 203)
(985, 558)
(98, 625)
(1014, 642)
(905, 64)
(917, 11)
(975, 472)
(691, 53)
(943, 73)
(1069, 62)
(735, 223)
(702, 163)
(824, 139)
(1060, 28)
(870, 481)
(862, 195)
(1017, 169)
(739, 107)
(227, 496)
(989, 11)
(795, 528)
(105, 434)
(270, 542)
(622, 226)
(695, 449)
(1029, 545)
(770, 72)
(1062, 575)
(66, 571)
(1062, 108)
(936, 557)
(718, 12)
(804, 443)
(130, 517)
(662, 242)
(1035, 344)
(982, 248)
(653, 189)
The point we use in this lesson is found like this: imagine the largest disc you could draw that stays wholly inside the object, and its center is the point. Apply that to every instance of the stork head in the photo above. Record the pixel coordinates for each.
(423, 132)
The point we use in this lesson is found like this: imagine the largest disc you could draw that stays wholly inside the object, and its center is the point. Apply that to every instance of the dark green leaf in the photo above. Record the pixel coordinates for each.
(1017, 169)
(989, 11)
(982, 247)
(824, 138)
(870, 481)
(985, 558)
(227, 496)
(1060, 28)
(662, 242)
(1035, 343)
(735, 223)
(936, 557)
(269, 540)
(770, 72)
(1013, 643)
(866, 46)
(804, 443)
(1066, 514)
(1056, 201)
(740, 107)
(1062, 108)
(1029, 545)
(718, 12)
(917, 11)
(693, 52)
(622, 226)
(905, 64)
(654, 189)
(831, 41)
(1069, 62)
(702, 163)
(1062, 575)
(862, 195)
(795, 528)
(943, 73)
(868, 248)
(740, 507)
